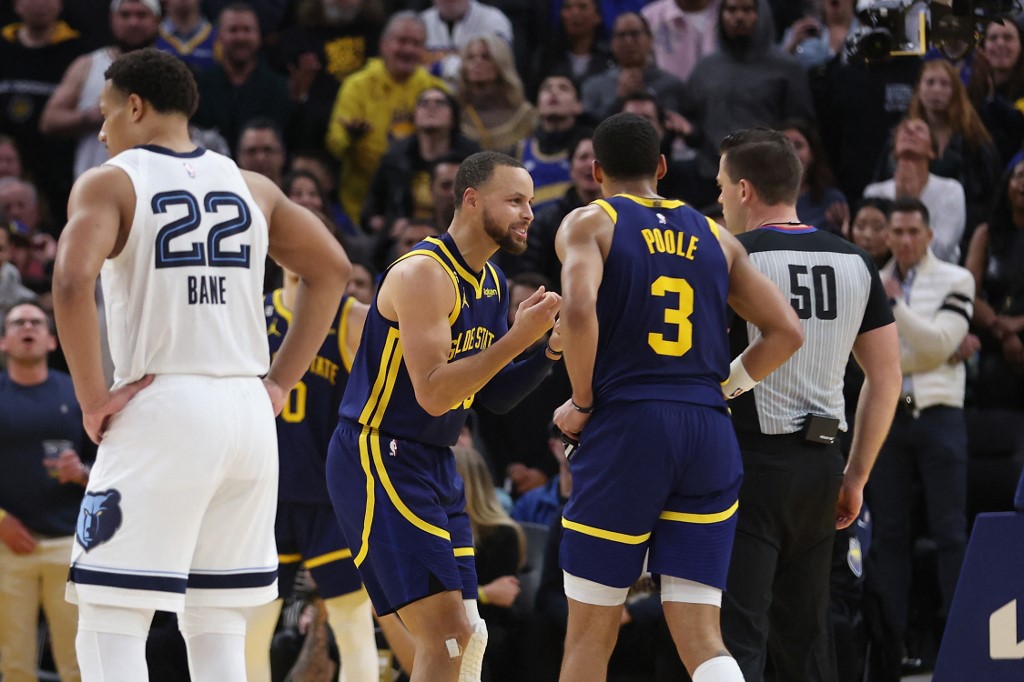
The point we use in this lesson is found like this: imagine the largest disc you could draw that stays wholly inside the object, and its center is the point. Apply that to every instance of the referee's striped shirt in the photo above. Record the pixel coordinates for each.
(835, 289)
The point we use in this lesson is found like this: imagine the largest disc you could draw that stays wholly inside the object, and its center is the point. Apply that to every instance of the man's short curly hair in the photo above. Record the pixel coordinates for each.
(159, 78)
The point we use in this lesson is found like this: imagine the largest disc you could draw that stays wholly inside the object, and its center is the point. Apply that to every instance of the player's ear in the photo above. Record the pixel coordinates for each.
(469, 197)
(136, 106)
(662, 166)
(597, 172)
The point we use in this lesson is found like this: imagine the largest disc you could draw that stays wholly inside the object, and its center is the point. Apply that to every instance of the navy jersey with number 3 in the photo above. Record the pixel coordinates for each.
(661, 306)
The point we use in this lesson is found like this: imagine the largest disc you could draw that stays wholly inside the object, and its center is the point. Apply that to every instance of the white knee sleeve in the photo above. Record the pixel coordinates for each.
(689, 592)
(215, 640)
(472, 611)
(596, 594)
(718, 669)
(111, 643)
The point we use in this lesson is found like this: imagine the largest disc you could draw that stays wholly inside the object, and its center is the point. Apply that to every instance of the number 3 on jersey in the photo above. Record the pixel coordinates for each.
(678, 317)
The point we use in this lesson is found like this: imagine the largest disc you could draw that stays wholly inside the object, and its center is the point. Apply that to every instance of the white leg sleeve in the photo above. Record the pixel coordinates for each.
(718, 669)
(689, 592)
(351, 619)
(215, 639)
(473, 657)
(111, 643)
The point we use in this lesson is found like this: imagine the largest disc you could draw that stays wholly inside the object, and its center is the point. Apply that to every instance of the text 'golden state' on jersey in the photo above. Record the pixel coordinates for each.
(662, 305)
(380, 393)
(191, 268)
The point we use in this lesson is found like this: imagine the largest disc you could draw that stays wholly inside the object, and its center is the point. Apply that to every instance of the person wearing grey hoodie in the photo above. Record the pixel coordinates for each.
(747, 82)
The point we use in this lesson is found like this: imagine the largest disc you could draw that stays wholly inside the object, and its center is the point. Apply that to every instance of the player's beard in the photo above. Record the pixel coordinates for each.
(503, 236)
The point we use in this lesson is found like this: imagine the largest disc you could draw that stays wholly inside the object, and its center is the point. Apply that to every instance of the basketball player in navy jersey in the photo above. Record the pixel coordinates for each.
(436, 339)
(179, 512)
(646, 282)
(306, 529)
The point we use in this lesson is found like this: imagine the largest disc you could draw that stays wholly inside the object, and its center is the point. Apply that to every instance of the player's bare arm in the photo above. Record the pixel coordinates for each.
(420, 295)
(101, 207)
(354, 332)
(878, 354)
(756, 299)
(61, 115)
(300, 242)
(582, 243)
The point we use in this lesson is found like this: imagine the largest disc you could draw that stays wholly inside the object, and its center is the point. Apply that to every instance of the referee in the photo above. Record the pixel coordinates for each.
(797, 490)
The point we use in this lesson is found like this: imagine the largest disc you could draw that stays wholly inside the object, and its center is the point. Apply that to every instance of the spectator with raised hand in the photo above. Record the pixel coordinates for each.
(376, 106)
(820, 36)
(914, 148)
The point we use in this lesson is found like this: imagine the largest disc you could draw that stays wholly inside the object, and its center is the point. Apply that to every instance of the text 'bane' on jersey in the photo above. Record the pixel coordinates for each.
(183, 295)
(661, 306)
(380, 392)
(306, 423)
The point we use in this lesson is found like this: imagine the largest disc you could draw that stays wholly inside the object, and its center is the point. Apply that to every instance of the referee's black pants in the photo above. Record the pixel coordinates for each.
(777, 598)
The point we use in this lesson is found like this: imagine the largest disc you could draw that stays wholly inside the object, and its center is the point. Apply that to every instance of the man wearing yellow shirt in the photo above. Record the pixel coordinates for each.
(375, 106)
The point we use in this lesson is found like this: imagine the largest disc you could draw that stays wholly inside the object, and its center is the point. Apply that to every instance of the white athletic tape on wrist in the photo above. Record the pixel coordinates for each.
(739, 381)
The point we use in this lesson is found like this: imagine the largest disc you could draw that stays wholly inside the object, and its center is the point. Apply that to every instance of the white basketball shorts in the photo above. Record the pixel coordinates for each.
(180, 505)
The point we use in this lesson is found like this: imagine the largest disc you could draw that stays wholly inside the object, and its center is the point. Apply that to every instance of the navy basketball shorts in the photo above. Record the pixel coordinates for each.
(402, 509)
(653, 477)
(308, 535)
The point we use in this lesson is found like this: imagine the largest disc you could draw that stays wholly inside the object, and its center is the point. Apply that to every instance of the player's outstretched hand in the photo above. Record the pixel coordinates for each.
(278, 396)
(98, 419)
(536, 315)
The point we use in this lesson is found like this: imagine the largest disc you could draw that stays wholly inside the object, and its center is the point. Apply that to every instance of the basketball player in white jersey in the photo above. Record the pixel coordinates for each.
(179, 515)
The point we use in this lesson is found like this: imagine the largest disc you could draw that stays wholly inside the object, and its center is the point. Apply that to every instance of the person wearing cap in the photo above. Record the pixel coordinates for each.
(73, 110)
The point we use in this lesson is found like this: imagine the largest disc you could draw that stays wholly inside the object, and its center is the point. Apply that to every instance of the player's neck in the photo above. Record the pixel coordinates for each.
(637, 188)
(30, 373)
(473, 243)
(780, 214)
(170, 136)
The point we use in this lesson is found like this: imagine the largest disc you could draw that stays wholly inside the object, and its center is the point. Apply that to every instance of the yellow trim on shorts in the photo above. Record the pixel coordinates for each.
(684, 517)
(289, 558)
(409, 514)
(337, 555)
(612, 213)
(464, 551)
(364, 461)
(346, 357)
(605, 534)
(454, 314)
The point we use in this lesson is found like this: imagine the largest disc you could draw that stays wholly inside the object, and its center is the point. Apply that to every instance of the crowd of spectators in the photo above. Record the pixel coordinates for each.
(362, 110)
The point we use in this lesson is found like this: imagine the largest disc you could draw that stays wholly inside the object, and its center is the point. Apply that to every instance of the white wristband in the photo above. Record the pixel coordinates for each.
(739, 381)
